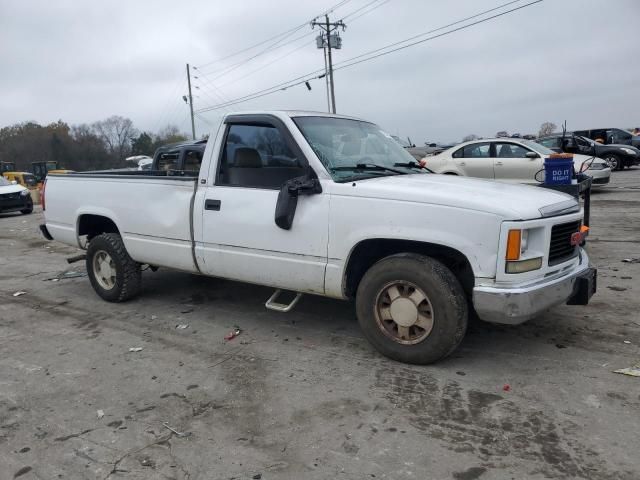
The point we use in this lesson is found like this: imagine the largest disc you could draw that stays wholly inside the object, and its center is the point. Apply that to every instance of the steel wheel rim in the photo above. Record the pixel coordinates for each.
(104, 270)
(404, 312)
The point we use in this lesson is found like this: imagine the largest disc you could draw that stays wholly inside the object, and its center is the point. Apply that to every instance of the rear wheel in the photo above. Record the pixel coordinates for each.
(114, 275)
(412, 308)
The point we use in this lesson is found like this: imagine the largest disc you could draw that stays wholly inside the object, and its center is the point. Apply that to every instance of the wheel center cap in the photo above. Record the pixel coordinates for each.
(404, 312)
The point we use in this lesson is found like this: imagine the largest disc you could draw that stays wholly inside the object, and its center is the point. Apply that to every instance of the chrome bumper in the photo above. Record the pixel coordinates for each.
(519, 304)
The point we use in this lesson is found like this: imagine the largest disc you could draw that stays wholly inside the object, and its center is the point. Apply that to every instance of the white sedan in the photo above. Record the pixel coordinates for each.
(508, 160)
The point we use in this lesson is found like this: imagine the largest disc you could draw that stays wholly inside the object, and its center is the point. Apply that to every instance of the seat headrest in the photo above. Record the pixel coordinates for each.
(246, 157)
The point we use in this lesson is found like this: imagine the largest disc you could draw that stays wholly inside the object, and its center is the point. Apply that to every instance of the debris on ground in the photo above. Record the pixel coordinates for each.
(19, 293)
(100, 413)
(631, 260)
(615, 288)
(187, 310)
(180, 434)
(135, 349)
(154, 317)
(182, 326)
(233, 333)
(627, 342)
(506, 387)
(631, 371)
(65, 275)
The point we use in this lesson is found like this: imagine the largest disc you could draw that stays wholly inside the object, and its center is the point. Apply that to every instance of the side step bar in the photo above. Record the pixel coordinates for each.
(281, 307)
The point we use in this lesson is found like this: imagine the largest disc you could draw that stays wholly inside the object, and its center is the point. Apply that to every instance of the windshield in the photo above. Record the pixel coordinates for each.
(344, 145)
(584, 139)
(537, 147)
(30, 180)
(4, 182)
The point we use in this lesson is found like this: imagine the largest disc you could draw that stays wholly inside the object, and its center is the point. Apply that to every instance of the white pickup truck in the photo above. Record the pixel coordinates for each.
(331, 205)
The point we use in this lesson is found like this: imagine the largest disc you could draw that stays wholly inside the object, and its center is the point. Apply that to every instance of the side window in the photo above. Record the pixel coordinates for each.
(192, 160)
(477, 150)
(256, 156)
(551, 142)
(168, 161)
(615, 135)
(458, 153)
(510, 150)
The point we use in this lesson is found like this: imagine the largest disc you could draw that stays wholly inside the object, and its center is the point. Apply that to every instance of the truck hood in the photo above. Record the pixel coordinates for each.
(511, 202)
(11, 189)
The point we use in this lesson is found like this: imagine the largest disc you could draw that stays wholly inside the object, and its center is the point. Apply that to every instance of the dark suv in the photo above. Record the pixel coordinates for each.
(610, 136)
(617, 156)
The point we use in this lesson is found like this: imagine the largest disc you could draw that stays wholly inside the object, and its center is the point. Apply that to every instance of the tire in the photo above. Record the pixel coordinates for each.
(445, 304)
(121, 278)
(614, 162)
(27, 210)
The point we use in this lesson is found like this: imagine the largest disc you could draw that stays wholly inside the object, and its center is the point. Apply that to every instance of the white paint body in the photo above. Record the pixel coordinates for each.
(242, 241)
(510, 170)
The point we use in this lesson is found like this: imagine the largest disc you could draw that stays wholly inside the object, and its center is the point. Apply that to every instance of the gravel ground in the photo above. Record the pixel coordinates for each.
(303, 395)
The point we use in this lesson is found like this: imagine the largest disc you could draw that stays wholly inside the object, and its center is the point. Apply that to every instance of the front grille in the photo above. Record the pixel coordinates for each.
(10, 196)
(560, 248)
(600, 181)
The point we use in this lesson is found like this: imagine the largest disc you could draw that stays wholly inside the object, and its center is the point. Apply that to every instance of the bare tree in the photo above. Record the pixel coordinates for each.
(470, 137)
(116, 132)
(547, 128)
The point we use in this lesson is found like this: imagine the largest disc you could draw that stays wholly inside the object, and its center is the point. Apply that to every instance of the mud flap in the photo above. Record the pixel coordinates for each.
(584, 288)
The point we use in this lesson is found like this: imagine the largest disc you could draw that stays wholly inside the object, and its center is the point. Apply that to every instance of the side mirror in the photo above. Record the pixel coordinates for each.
(288, 198)
(531, 155)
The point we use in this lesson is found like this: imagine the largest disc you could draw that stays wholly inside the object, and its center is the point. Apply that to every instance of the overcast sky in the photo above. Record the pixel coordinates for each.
(560, 59)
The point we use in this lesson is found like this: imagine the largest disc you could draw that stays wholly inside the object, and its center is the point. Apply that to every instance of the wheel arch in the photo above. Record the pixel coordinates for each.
(367, 252)
(92, 224)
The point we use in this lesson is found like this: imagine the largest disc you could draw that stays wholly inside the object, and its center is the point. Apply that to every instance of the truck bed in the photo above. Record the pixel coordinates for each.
(152, 211)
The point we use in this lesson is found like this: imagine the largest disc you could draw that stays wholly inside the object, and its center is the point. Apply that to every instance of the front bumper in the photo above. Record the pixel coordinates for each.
(599, 177)
(519, 304)
(14, 203)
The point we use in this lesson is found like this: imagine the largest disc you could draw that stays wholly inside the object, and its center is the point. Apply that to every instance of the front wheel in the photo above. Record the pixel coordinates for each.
(28, 210)
(113, 274)
(613, 161)
(412, 308)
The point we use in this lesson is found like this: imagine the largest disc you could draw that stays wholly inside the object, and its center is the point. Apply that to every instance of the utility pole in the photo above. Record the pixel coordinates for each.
(328, 40)
(193, 125)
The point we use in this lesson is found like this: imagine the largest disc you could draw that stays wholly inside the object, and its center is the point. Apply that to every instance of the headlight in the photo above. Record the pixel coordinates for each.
(628, 151)
(596, 166)
(517, 246)
(24, 193)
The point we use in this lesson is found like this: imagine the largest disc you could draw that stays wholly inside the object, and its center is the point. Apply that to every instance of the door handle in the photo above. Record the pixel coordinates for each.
(462, 164)
(498, 163)
(212, 205)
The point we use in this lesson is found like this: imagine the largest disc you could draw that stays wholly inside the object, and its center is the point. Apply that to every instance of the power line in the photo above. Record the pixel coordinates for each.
(429, 38)
(359, 58)
(365, 12)
(361, 8)
(287, 32)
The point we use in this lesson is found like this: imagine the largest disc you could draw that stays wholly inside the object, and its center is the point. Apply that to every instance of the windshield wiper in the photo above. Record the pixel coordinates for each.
(409, 165)
(368, 166)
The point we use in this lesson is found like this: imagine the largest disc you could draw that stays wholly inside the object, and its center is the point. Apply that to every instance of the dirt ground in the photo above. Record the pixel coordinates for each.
(303, 395)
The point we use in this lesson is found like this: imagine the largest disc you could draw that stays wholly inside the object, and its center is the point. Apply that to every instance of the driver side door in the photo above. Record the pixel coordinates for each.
(240, 239)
